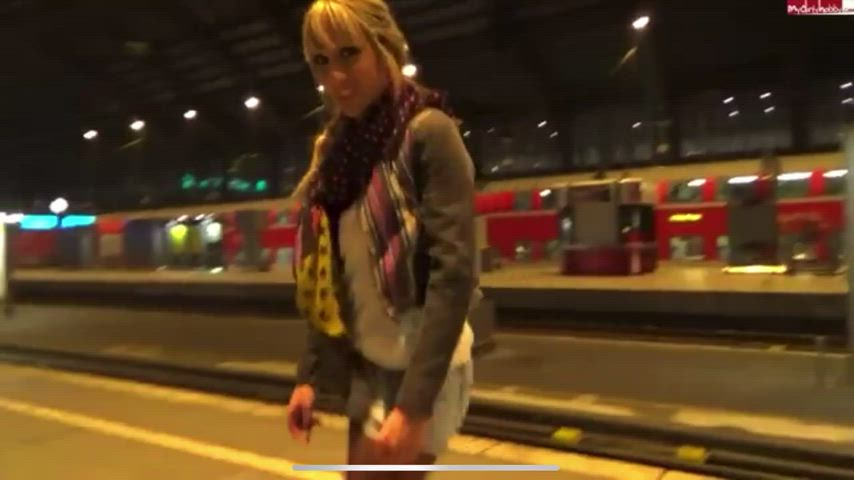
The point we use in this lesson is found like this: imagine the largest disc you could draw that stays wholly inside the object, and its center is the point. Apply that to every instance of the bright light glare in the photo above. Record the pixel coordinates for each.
(190, 114)
(467, 133)
(90, 134)
(835, 173)
(697, 182)
(409, 70)
(848, 100)
(734, 113)
(757, 269)
(770, 109)
(542, 124)
(846, 85)
(641, 22)
(545, 193)
(12, 218)
(637, 124)
(137, 125)
(252, 103)
(793, 176)
(729, 100)
(765, 95)
(321, 88)
(742, 180)
(554, 134)
(58, 206)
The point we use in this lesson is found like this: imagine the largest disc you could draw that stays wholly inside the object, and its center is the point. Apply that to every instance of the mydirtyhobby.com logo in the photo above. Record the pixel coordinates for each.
(820, 7)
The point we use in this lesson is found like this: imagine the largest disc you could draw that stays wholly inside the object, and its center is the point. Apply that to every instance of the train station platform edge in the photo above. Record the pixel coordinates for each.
(702, 290)
(254, 346)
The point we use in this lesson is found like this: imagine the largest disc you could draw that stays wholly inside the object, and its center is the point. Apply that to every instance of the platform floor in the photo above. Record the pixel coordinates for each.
(675, 277)
(80, 427)
(772, 392)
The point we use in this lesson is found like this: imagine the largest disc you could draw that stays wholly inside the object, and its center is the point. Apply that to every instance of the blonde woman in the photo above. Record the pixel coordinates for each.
(384, 260)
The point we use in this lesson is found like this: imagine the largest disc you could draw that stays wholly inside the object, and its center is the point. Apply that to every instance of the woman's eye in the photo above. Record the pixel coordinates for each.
(349, 52)
(320, 60)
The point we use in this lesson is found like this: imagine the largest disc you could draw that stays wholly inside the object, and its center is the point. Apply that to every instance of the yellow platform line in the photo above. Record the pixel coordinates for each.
(272, 465)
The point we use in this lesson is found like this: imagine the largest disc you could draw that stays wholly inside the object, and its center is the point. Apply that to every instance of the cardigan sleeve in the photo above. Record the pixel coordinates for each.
(447, 217)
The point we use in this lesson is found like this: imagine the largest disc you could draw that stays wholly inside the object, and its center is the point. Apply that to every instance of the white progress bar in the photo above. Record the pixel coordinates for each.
(426, 468)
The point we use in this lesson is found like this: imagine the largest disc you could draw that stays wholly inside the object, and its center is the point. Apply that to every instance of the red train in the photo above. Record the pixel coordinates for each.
(691, 216)
(520, 219)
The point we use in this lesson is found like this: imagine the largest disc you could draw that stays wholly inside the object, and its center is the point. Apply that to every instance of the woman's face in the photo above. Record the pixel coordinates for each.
(350, 72)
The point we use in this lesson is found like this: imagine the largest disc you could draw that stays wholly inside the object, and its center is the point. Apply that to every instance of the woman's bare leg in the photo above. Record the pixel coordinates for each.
(361, 451)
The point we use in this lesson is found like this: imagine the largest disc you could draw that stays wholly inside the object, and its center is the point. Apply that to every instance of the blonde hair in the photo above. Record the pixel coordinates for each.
(352, 19)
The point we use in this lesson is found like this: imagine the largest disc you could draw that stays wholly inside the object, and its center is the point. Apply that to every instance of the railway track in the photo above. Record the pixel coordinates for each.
(716, 455)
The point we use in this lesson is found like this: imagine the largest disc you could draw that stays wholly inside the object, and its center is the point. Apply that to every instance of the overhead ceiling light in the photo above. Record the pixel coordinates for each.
(491, 130)
(848, 100)
(90, 134)
(545, 193)
(542, 124)
(729, 100)
(641, 22)
(190, 114)
(734, 113)
(137, 125)
(409, 70)
(59, 206)
(637, 124)
(467, 133)
(554, 134)
(770, 109)
(252, 103)
(321, 88)
(697, 182)
(765, 95)
(846, 85)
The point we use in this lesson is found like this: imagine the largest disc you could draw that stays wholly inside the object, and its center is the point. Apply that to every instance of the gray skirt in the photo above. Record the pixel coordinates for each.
(373, 393)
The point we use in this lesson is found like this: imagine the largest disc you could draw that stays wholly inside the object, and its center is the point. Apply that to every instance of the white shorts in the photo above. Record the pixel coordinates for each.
(374, 392)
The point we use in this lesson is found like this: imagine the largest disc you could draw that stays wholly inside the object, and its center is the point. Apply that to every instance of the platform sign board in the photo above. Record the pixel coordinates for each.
(848, 149)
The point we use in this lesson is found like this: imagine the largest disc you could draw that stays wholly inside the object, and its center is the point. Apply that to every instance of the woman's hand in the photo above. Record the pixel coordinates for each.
(300, 413)
(401, 439)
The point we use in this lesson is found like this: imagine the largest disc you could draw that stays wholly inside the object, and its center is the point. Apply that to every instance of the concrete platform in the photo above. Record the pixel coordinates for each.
(81, 427)
(785, 396)
(675, 289)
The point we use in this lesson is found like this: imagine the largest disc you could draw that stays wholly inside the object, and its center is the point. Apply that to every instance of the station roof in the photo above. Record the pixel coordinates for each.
(81, 64)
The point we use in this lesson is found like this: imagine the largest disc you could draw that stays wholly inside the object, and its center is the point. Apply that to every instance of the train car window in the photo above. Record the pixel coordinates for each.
(722, 243)
(549, 199)
(792, 187)
(686, 248)
(834, 185)
(685, 192)
(721, 189)
(522, 200)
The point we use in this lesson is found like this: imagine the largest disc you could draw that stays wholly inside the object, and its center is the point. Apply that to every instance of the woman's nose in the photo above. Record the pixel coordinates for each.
(337, 75)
